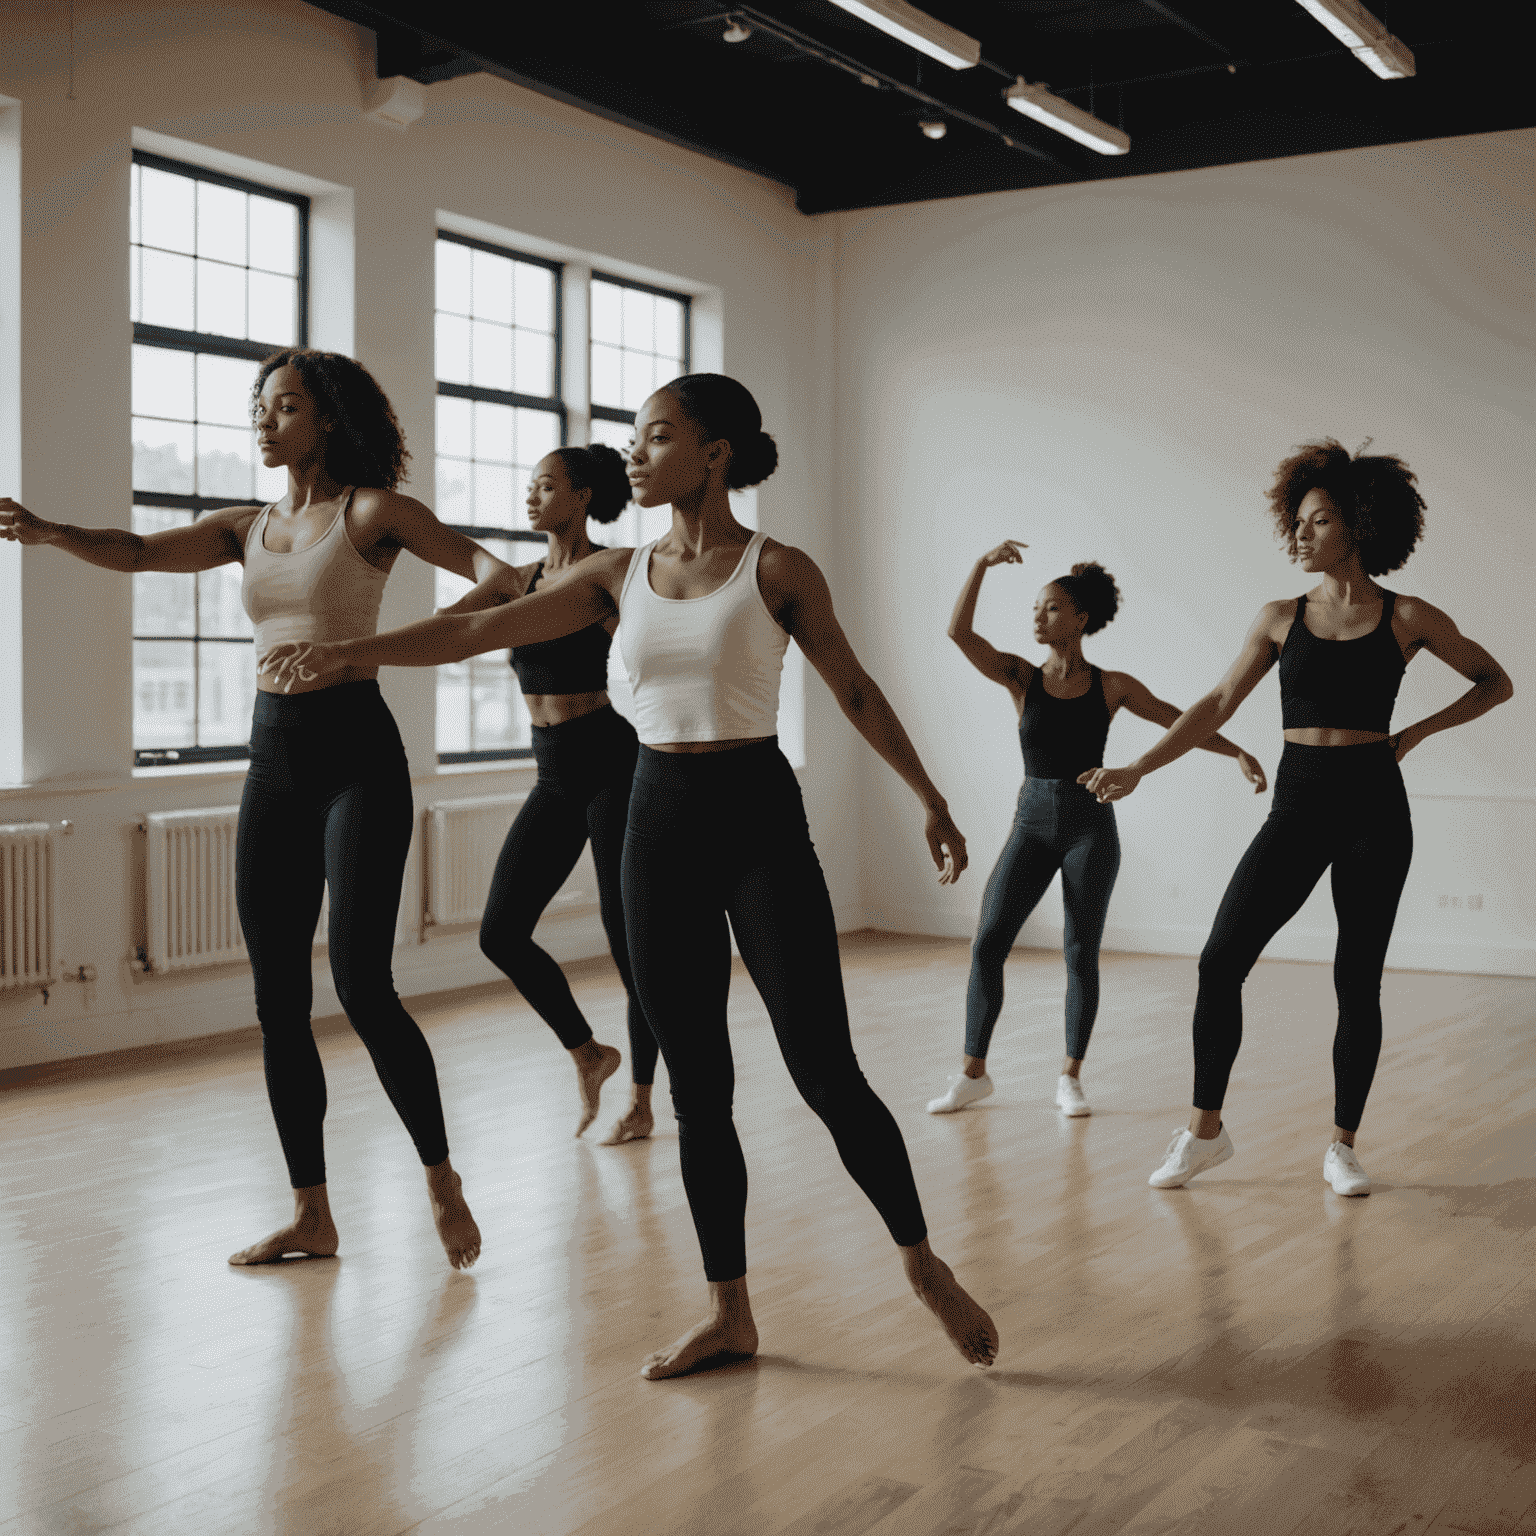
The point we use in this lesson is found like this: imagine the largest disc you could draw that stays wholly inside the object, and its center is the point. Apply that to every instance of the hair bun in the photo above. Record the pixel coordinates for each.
(1094, 592)
(600, 469)
(752, 463)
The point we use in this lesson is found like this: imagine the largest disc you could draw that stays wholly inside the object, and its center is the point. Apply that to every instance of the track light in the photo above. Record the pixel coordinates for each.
(1037, 102)
(933, 127)
(736, 33)
(1365, 36)
(917, 29)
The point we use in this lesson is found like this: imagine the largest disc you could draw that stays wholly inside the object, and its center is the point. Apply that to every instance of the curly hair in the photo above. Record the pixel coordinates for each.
(1093, 591)
(720, 407)
(366, 446)
(1375, 494)
(600, 469)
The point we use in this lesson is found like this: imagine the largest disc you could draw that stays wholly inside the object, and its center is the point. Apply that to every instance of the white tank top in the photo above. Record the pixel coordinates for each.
(702, 668)
(325, 592)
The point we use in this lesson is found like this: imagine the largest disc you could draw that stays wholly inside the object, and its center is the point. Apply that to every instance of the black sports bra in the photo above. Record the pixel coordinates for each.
(576, 663)
(1062, 738)
(1350, 685)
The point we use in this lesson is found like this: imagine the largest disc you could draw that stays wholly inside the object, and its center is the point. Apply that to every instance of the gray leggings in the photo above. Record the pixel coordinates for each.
(1058, 825)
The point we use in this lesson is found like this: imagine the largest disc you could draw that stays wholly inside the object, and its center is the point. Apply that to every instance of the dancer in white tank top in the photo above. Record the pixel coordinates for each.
(716, 828)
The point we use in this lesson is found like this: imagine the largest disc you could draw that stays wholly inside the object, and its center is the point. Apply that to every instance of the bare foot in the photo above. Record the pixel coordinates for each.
(595, 1064)
(455, 1226)
(727, 1335)
(969, 1328)
(635, 1125)
(311, 1232)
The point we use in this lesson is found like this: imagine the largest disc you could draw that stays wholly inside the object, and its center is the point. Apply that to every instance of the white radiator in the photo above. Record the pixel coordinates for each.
(190, 889)
(464, 838)
(28, 906)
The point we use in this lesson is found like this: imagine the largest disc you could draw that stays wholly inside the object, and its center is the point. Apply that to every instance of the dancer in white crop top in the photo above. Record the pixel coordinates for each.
(717, 830)
(327, 796)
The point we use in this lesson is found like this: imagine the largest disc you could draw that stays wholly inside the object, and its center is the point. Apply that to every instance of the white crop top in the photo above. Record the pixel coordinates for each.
(702, 668)
(324, 592)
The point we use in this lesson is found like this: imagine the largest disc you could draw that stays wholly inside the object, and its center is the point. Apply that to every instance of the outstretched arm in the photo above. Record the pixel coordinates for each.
(796, 593)
(1011, 671)
(1141, 701)
(1438, 634)
(1203, 718)
(210, 540)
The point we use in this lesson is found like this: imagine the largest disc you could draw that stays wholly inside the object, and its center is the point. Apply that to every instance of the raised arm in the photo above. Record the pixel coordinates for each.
(587, 596)
(1203, 718)
(1437, 633)
(1145, 705)
(1011, 671)
(796, 593)
(213, 539)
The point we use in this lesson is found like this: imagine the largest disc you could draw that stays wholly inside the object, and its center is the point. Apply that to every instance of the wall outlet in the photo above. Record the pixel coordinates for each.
(1470, 903)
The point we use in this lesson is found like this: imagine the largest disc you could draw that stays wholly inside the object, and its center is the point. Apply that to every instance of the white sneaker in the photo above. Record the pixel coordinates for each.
(1069, 1097)
(1187, 1155)
(962, 1090)
(1342, 1169)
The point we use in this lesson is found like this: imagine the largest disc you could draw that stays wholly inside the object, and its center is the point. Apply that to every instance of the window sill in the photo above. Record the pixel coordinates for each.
(497, 765)
(231, 770)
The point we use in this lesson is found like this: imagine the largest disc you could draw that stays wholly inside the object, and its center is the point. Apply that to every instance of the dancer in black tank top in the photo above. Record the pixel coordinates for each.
(1064, 708)
(1339, 796)
(585, 752)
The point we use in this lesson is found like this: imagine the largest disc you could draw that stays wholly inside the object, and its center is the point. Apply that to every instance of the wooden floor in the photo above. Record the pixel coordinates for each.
(1250, 1354)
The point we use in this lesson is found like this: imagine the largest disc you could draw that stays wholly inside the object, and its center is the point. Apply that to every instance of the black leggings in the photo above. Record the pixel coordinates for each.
(327, 802)
(1339, 806)
(717, 836)
(585, 768)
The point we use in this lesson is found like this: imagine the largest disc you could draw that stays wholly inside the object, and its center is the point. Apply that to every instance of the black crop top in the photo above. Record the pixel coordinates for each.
(1062, 738)
(1350, 685)
(576, 663)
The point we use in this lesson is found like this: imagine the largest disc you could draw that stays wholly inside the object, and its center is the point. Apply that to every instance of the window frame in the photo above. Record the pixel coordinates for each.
(171, 339)
(615, 413)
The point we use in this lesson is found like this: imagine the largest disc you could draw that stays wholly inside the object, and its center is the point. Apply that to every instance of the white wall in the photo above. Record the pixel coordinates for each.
(280, 84)
(1111, 372)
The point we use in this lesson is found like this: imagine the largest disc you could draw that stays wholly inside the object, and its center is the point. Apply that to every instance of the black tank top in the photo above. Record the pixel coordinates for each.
(1062, 738)
(575, 663)
(1350, 685)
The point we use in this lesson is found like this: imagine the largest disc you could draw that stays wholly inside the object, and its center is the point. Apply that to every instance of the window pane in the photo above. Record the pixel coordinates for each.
(162, 600)
(226, 691)
(535, 364)
(452, 349)
(164, 693)
(220, 612)
(453, 278)
(639, 378)
(453, 427)
(274, 313)
(221, 223)
(491, 287)
(274, 236)
(538, 433)
(500, 716)
(224, 462)
(220, 299)
(491, 362)
(167, 288)
(669, 328)
(133, 204)
(535, 297)
(453, 708)
(271, 484)
(617, 434)
(167, 202)
(450, 587)
(495, 504)
(162, 383)
(135, 284)
(223, 390)
(453, 502)
(162, 456)
(493, 431)
(607, 376)
(639, 320)
(607, 312)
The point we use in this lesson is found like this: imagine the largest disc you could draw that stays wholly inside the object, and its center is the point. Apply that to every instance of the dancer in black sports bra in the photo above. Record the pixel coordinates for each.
(1064, 708)
(1339, 797)
(586, 753)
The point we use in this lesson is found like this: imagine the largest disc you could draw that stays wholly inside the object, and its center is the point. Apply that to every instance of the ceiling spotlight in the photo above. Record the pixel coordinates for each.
(736, 33)
(933, 127)
(1037, 102)
(1365, 36)
(917, 29)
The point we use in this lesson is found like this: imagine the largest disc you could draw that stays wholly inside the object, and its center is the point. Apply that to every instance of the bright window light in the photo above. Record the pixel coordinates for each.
(917, 29)
(1365, 36)
(1037, 102)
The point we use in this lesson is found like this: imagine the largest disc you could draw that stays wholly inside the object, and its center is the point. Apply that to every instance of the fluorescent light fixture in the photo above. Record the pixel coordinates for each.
(1365, 36)
(917, 29)
(1037, 102)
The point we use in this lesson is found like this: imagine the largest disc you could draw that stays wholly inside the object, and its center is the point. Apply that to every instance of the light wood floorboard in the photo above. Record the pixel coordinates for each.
(1250, 1354)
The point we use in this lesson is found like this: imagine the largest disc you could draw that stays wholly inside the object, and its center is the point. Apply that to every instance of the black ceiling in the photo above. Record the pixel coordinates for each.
(1193, 82)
